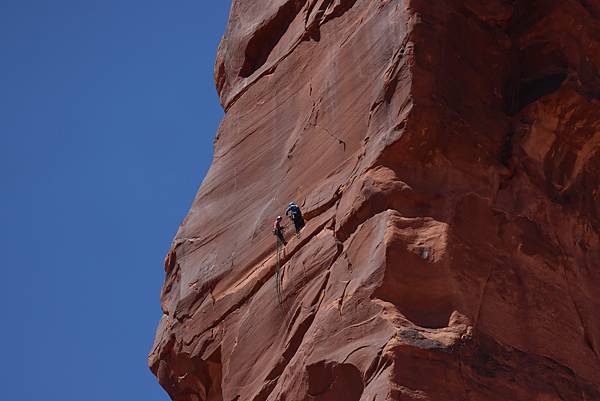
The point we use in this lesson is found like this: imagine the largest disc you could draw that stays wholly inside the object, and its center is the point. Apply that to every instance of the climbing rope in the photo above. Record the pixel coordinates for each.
(278, 275)
(278, 250)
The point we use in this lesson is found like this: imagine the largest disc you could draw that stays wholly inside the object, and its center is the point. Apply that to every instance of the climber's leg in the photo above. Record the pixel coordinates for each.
(281, 238)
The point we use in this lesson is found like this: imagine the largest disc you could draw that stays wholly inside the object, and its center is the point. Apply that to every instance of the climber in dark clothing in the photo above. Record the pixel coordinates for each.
(278, 230)
(294, 213)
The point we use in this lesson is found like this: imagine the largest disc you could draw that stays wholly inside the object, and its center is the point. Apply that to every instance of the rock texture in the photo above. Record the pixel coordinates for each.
(446, 156)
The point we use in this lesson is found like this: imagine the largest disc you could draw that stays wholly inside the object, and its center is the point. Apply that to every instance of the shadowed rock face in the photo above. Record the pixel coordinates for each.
(446, 157)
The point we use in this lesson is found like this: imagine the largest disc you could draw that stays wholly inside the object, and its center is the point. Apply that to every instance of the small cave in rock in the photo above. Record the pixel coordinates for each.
(214, 368)
(506, 152)
(266, 37)
(332, 381)
(191, 378)
(532, 90)
(430, 312)
(420, 293)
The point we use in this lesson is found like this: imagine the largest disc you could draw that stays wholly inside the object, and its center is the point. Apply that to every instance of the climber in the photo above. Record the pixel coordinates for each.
(294, 213)
(278, 230)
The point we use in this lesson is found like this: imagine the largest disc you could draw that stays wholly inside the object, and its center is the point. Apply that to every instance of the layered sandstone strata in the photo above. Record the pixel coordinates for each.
(446, 156)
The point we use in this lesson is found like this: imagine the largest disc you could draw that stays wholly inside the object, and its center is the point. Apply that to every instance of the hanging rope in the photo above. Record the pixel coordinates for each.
(278, 250)
(278, 275)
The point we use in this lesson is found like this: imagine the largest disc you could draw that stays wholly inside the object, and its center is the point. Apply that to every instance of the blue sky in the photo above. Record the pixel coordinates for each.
(107, 115)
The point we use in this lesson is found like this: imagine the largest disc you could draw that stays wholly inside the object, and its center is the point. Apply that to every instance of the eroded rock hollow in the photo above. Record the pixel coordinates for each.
(446, 157)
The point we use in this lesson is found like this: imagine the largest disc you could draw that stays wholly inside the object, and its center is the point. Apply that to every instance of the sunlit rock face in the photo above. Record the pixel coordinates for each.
(446, 157)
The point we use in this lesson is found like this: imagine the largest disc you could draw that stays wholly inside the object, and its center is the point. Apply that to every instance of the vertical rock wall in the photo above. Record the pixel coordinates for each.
(446, 157)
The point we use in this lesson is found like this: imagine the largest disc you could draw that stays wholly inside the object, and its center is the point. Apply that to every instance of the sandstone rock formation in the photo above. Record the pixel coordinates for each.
(446, 156)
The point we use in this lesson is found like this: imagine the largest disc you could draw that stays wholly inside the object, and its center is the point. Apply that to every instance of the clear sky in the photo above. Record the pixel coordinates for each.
(107, 115)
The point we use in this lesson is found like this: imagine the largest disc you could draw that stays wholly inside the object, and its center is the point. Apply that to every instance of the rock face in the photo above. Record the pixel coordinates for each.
(446, 157)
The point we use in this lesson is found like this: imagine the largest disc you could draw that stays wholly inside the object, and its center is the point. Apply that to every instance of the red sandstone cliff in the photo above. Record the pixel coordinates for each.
(446, 156)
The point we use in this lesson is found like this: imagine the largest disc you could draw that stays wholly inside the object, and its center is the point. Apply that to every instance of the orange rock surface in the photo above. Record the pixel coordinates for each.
(446, 158)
